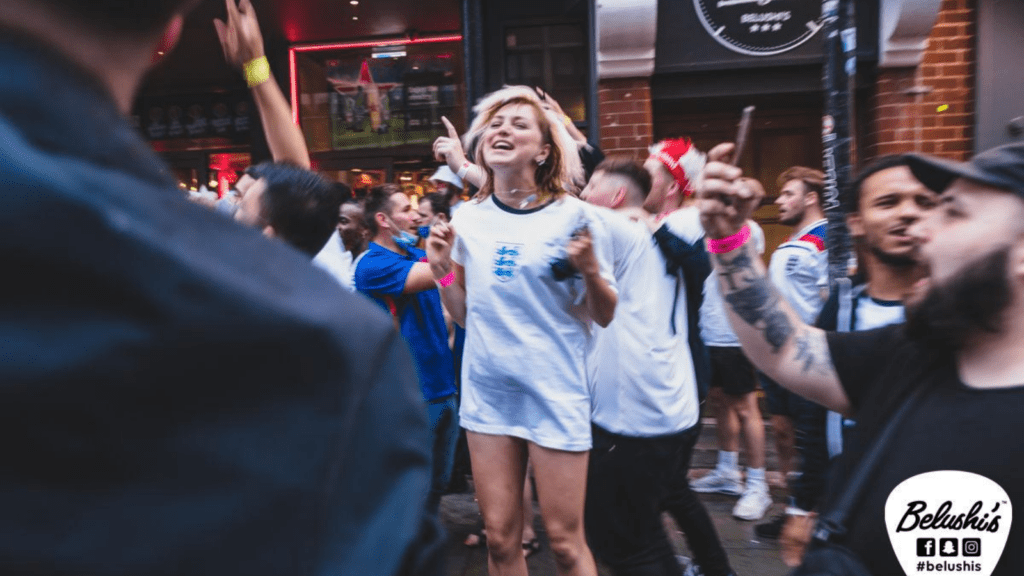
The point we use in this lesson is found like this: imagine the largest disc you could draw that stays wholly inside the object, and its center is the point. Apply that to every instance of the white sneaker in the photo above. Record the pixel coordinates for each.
(719, 482)
(753, 504)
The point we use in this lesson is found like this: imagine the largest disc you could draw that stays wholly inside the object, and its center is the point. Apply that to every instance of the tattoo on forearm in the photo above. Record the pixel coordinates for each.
(755, 303)
(741, 263)
(811, 352)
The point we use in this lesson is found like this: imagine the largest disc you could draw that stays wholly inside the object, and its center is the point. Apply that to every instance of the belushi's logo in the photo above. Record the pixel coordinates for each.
(506, 260)
(948, 521)
(916, 518)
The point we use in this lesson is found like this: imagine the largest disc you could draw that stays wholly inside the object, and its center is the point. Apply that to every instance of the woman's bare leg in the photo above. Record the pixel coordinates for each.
(561, 489)
(499, 467)
(528, 532)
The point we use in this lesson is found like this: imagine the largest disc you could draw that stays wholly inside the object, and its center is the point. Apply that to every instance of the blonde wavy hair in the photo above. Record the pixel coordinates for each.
(562, 171)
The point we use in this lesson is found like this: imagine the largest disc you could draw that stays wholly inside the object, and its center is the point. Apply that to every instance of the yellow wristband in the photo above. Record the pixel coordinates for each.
(257, 71)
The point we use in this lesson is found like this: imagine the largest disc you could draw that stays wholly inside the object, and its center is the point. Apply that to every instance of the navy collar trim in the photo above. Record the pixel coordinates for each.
(512, 210)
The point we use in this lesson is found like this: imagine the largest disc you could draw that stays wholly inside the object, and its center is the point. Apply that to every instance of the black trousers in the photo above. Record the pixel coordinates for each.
(693, 519)
(630, 482)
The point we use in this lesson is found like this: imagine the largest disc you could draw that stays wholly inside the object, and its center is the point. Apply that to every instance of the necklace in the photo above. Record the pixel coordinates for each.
(526, 201)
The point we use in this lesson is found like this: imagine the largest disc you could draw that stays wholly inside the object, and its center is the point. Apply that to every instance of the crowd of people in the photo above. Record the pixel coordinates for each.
(186, 393)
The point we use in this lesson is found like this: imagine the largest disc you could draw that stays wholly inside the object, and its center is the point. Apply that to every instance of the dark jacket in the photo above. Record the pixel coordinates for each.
(690, 264)
(181, 395)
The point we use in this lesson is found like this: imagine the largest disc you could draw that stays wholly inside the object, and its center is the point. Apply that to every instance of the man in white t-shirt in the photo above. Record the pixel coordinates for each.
(644, 393)
(722, 370)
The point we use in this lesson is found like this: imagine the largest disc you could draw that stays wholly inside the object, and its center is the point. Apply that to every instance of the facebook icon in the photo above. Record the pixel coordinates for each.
(926, 546)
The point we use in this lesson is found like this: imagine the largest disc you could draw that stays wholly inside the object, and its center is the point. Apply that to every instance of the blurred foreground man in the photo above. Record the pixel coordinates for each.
(180, 395)
(962, 347)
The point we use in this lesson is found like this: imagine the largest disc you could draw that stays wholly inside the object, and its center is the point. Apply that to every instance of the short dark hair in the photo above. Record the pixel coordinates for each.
(301, 205)
(813, 180)
(353, 201)
(122, 16)
(629, 169)
(379, 200)
(882, 163)
(439, 204)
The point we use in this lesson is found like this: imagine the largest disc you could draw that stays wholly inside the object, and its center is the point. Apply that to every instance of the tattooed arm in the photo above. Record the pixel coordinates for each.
(773, 337)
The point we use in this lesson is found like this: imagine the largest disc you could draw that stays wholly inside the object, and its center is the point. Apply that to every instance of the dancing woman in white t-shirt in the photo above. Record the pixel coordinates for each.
(524, 384)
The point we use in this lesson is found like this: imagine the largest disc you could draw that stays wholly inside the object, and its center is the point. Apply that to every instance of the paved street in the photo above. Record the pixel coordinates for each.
(460, 516)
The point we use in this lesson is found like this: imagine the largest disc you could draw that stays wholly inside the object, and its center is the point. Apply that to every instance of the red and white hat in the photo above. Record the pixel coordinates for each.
(682, 159)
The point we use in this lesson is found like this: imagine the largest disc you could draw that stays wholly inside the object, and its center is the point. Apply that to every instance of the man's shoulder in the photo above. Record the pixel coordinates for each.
(891, 341)
(131, 232)
(378, 267)
(629, 237)
(813, 238)
(619, 224)
(685, 223)
(376, 254)
(808, 250)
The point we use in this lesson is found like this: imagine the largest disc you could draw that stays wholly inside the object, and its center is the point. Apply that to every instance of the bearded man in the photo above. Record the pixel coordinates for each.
(962, 345)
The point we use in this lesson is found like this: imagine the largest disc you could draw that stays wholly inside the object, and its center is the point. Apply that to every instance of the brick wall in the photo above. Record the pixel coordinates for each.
(624, 112)
(906, 122)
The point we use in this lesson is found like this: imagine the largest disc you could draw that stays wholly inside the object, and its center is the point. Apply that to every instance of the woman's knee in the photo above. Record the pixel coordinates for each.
(567, 547)
(504, 538)
(504, 550)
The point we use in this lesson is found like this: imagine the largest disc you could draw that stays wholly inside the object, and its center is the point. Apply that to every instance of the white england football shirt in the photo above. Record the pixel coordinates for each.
(523, 371)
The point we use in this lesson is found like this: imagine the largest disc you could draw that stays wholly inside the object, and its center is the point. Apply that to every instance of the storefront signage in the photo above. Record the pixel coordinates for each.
(760, 27)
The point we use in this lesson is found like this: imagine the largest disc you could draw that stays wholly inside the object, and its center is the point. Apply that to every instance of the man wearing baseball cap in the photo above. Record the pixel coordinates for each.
(962, 345)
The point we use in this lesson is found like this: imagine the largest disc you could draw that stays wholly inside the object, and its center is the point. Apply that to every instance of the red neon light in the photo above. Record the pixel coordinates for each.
(293, 66)
(369, 44)
(295, 85)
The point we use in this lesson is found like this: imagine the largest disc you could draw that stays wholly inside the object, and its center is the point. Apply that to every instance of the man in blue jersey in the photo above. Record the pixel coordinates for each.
(396, 275)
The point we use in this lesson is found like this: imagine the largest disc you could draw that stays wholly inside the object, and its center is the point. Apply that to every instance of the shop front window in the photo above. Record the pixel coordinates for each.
(553, 57)
(378, 95)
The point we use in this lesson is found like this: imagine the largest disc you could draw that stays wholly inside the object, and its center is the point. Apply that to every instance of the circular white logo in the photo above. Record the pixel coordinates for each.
(948, 521)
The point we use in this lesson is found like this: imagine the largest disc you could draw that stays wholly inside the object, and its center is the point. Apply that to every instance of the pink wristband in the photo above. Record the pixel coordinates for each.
(729, 243)
(447, 280)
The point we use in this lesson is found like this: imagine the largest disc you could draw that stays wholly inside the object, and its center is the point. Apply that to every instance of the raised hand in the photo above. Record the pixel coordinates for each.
(448, 148)
(556, 114)
(439, 248)
(240, 36)
(725, 197)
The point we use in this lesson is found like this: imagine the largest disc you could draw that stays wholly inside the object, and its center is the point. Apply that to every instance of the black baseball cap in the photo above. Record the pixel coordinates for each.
(1001, 167)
